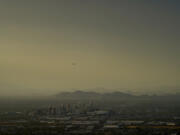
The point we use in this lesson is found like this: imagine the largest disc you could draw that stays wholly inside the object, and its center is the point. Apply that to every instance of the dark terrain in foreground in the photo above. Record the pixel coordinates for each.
(91, 113)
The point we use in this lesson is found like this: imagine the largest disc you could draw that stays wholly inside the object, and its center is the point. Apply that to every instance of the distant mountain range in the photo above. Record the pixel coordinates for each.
(141, 91)
(92, 95)
(85, 95)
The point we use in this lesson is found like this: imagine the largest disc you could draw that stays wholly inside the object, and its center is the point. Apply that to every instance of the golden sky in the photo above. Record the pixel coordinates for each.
(47, 46)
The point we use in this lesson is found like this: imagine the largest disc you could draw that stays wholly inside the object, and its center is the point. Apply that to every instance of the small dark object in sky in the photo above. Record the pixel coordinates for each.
(74, 64)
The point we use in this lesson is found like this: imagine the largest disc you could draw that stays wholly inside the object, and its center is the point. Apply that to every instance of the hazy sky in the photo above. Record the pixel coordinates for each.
(48, 46)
